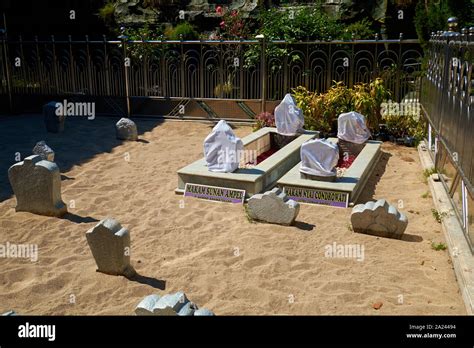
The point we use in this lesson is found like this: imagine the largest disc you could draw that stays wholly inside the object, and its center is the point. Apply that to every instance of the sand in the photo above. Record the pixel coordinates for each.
(209, 250)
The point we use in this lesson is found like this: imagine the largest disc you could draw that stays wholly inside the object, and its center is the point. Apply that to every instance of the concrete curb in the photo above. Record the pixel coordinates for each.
(459, 250)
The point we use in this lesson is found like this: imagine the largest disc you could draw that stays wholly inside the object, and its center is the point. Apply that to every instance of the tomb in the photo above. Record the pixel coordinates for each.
(265, 158)
(37, 186)
(347, 186)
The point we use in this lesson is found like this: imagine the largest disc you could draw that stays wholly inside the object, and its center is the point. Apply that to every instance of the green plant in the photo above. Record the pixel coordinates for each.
(264, 119)
(438, 246)
(429, 171)
(358, 31)
(322, 110)
(107, 13)
(184, 31)
(425, 195)
(438, 216)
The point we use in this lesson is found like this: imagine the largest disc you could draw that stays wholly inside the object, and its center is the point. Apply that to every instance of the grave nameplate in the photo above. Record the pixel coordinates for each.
(214, 193)
(315, 196)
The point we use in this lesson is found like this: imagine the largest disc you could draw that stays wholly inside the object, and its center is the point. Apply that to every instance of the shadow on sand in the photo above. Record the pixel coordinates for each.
(81, 140)
(78, 219)
(153, 282)
(368, 192)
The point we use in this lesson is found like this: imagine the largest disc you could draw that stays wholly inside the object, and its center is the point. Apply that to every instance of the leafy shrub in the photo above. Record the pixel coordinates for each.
(264, 119)
(360, 30)
(183, 31)
(322, 110)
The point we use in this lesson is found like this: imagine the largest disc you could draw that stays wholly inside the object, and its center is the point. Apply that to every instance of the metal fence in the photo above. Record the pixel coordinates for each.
(447, 98)
(245, 70)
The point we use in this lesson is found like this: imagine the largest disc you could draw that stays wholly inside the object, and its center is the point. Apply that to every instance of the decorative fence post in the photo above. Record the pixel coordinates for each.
(126, 64)
(3, 34)
(263, 68)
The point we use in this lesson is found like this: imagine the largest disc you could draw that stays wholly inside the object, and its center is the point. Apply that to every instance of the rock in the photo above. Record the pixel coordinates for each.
(44, 151)
(171, 304)
(110, 246)
(188, 309)
(273, 207)
(37, 186)
(9, 314)
(126, 129)
(379, 219)
(145, 307)
(377, 305)
(54, 123)
(203, 312)
(435, 177)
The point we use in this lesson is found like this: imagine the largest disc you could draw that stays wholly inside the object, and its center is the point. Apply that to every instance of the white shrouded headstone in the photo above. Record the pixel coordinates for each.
(37, 186)
(222, 149)
(351, 127)
(43, 150)
(110, 246)
(319, 157)
(289, 118)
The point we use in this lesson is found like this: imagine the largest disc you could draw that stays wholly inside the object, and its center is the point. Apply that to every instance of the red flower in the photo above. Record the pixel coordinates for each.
(219, 9)
(222, 24)
(234, 13)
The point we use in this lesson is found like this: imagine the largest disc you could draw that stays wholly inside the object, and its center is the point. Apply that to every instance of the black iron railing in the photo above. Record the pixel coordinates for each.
(447, 98)
(256, 70)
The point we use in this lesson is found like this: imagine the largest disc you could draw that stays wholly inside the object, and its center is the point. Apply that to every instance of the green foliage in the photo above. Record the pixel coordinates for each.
(406, 126)
(183, 31)
(359, 31)
(299, 24)
(321, 110)
(438, 216)
(264, 119)
(428, 172)
(432, 15)
(144, 33)
(107, 13)
(438, 246)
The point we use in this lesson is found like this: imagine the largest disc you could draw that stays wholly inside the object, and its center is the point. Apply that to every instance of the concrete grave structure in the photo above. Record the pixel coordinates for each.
(37, 186)
(253, 178)
(273, 207)
(343, 190)
(110, 245)
(379, 219)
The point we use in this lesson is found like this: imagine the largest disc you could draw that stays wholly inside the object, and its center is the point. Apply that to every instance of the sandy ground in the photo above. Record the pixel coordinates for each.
(209, 250)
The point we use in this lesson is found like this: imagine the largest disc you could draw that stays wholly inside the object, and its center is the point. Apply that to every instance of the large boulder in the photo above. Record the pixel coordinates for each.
(289, 119)
(379, 219)
(44, 151)
(126, 129)
(170, 304)
(110, 245)
(54, 122)
(273, 207)
(37, 186)
(222, 149)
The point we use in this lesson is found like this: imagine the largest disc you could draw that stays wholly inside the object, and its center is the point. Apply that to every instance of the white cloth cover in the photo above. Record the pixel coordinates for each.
(222, 149)
(288, 117)
(319, 157)
(351, 127)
